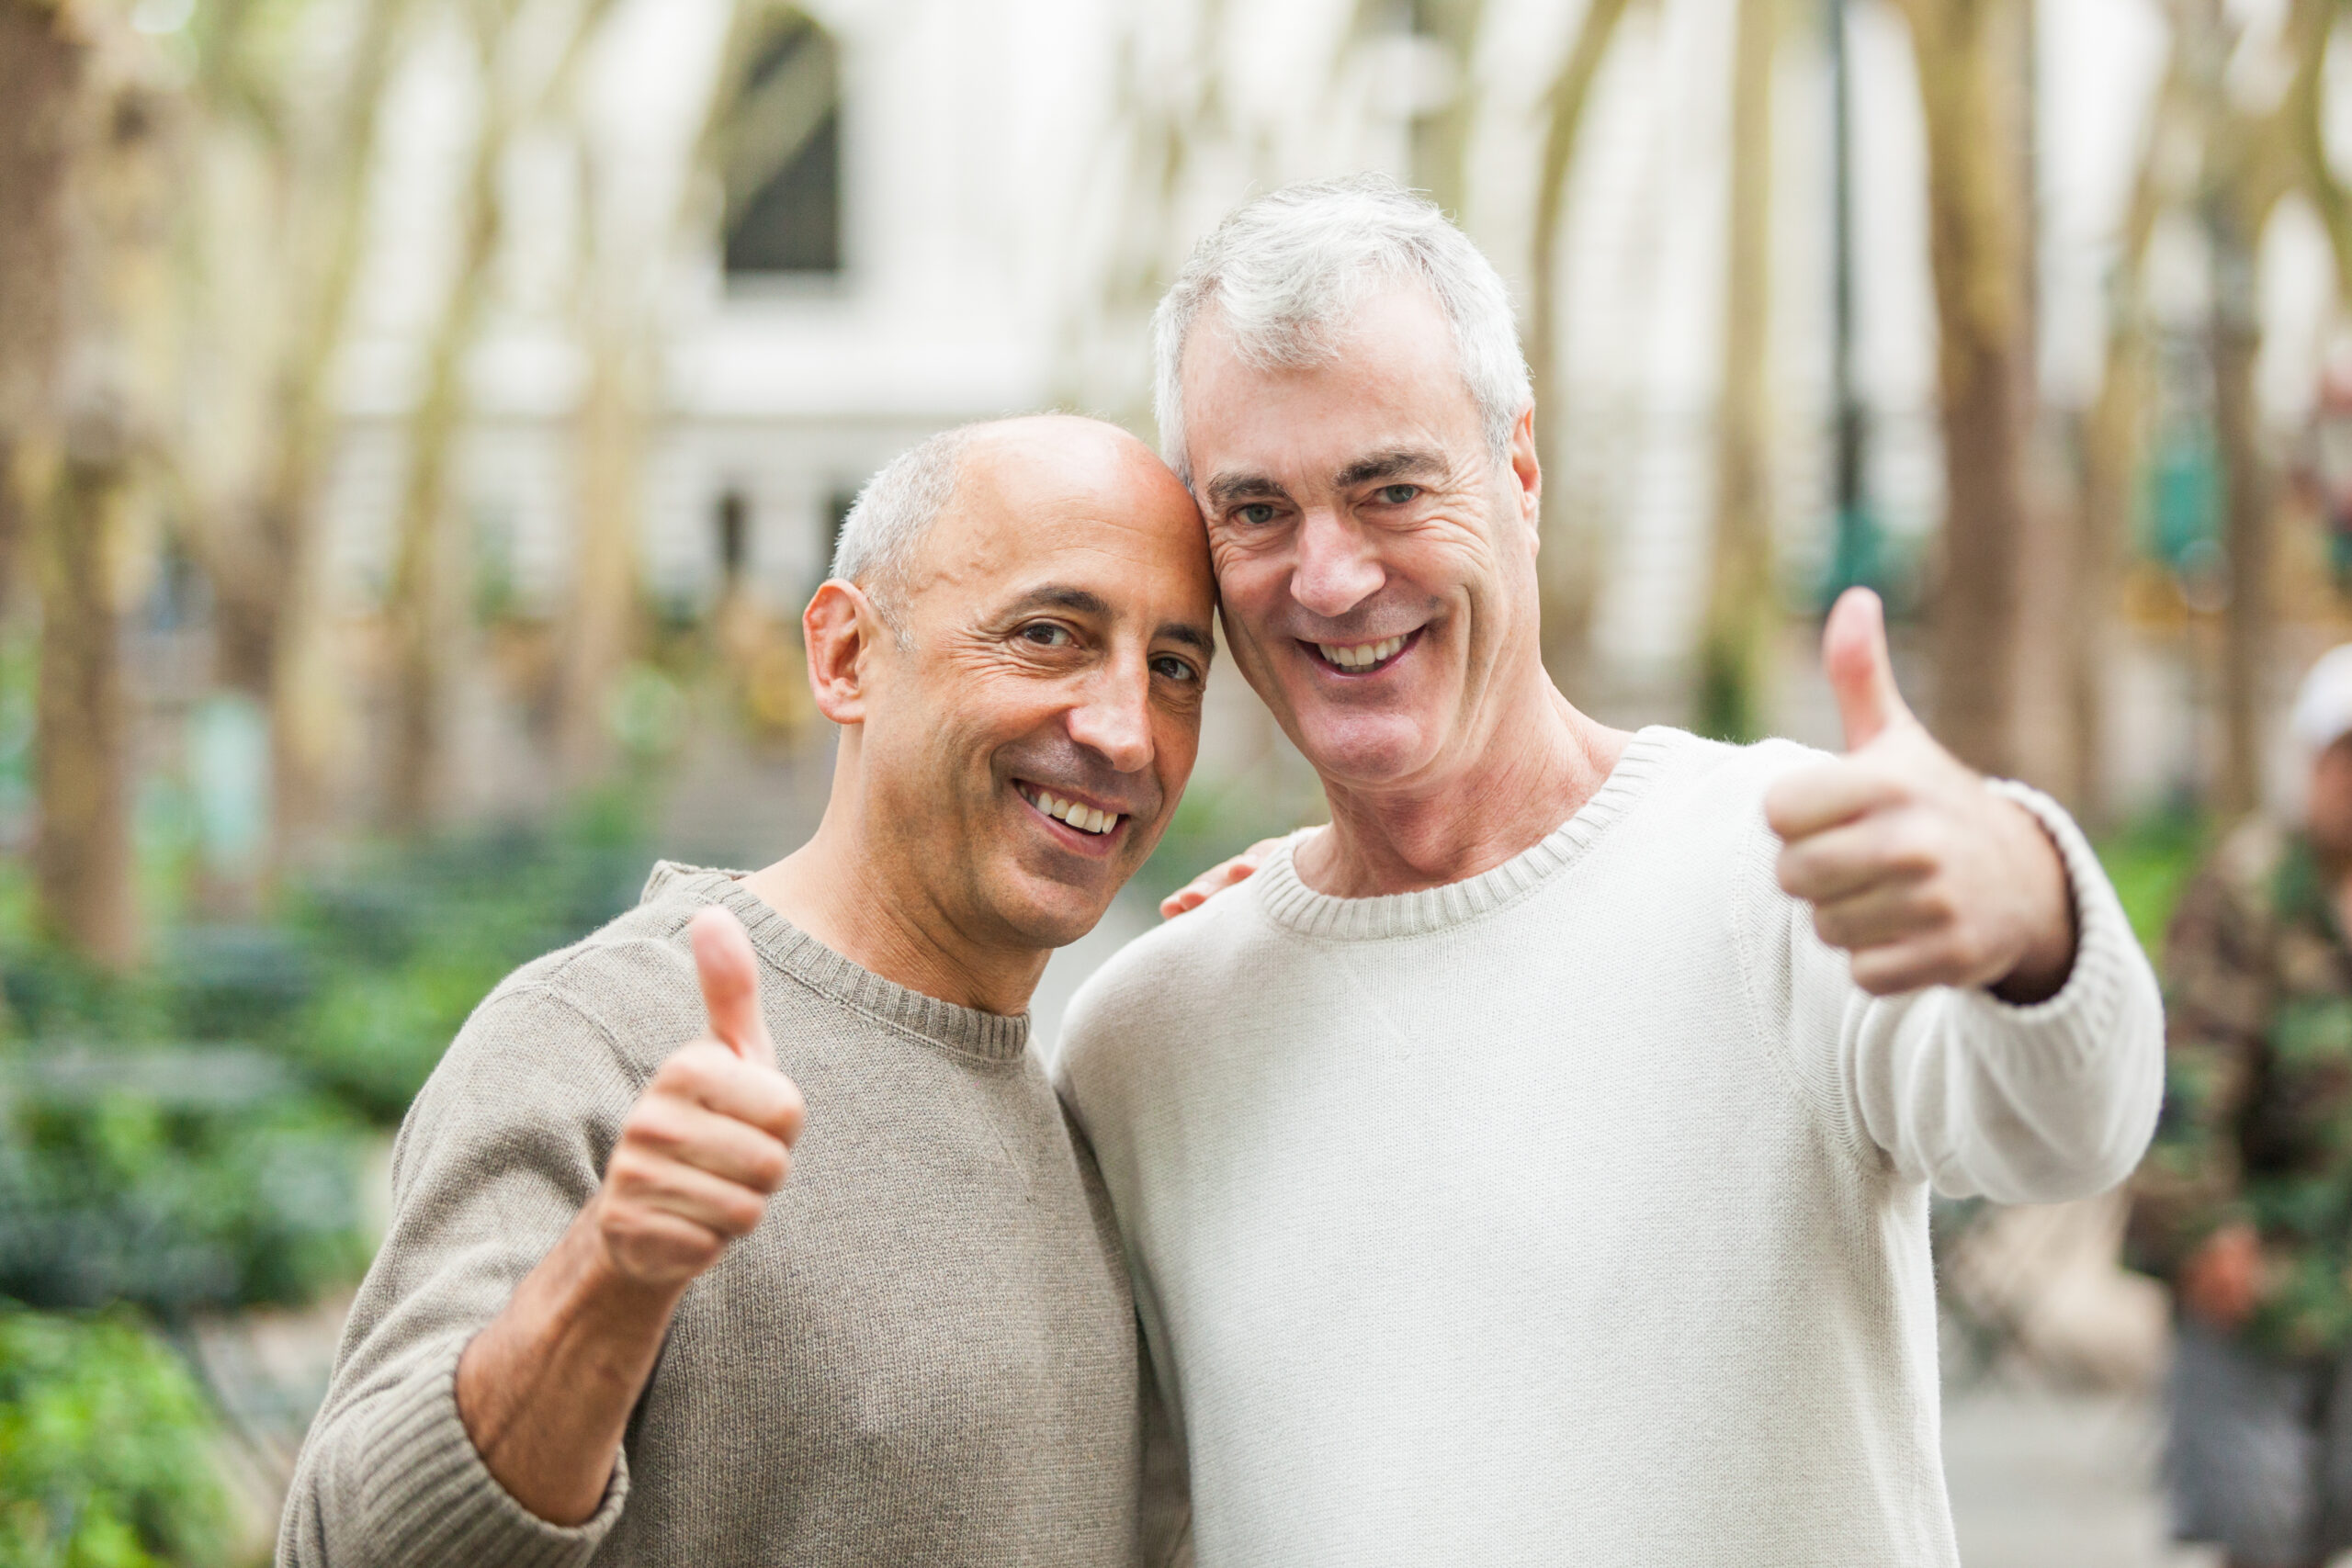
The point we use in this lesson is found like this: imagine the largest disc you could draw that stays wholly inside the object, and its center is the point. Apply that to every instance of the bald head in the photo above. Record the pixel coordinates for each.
(1004, 468)
(1017, 737)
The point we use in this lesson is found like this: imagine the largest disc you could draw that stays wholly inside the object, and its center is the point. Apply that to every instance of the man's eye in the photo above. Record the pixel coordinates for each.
(1397, 495)
(1046, 633)
(1174, 669)
(1257, 514)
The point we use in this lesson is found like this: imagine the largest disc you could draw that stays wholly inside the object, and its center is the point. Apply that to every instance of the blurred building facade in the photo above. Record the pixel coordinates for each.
(846, 224)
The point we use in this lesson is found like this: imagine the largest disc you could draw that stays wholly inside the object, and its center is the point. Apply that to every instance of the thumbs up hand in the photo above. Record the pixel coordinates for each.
(712, 1135)
(1924, 874)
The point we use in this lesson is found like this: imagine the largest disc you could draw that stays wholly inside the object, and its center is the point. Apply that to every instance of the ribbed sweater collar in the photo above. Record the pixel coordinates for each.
(966, 1030)
(1291, 903)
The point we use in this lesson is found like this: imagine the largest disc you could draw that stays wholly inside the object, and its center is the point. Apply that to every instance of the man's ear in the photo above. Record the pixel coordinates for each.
(1527, 474)
(842, 628)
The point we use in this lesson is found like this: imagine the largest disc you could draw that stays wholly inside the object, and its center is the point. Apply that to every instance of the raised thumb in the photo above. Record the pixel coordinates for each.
(729, 973)
(1853, 651)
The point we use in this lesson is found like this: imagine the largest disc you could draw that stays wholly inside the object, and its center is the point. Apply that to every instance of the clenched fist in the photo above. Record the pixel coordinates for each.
(1912, 863)
(712, 1135)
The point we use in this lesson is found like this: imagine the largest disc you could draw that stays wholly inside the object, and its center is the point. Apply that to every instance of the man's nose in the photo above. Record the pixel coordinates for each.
(1337, 568)
(1113, 719)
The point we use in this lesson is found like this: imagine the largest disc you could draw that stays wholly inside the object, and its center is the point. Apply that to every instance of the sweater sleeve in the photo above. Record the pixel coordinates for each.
(1978, 1097)
(502, 1149)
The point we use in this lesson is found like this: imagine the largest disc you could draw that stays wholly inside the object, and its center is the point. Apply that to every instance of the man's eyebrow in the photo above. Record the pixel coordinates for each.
(1191, 636)
(1228, 488)
(1397, 463)
(1060, 596)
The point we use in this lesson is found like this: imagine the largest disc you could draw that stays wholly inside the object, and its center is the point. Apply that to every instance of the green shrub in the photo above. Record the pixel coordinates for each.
(178, 1179)
(107, 1448)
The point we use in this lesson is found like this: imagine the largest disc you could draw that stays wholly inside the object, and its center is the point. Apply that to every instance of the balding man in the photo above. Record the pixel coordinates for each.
(603, 1324)
(1517, 1171)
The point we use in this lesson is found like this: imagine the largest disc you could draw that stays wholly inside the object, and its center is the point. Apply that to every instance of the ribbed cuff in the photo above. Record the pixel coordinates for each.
(430, 1498)
(2083, 1024)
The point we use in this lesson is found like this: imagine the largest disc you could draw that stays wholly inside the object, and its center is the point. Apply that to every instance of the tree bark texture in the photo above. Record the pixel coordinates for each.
(1735, 641)
(1965, 51)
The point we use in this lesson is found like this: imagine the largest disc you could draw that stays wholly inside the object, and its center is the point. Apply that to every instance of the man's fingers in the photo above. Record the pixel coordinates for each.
(1880, 917)
(1877, 849)
(1861, 674)
(726, 1147)
(708, 1073)
(644, 1181)
(1825, 795)
(1903, 967)
(729, 973)
(1220, 877)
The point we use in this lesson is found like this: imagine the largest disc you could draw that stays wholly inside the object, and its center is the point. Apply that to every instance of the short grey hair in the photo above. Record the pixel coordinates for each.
(1285, 271)
(886, 524)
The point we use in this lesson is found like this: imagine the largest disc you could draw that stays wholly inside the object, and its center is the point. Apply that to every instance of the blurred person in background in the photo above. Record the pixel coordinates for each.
(603, 1324)
(2245, 1204)
(1532, 1165)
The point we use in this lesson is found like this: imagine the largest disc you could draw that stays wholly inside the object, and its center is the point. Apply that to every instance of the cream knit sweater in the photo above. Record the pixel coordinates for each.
(1576, 1212)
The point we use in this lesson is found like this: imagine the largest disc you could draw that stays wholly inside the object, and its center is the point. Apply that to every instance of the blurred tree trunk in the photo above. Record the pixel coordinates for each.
(286, 659)
(600, 622)
(1965, 51)
(39, 68)
(1735, 642)
(420, 607)
(81, 861)
(423, 606)
(1441, 140)
(1571, 569)
(2249, 521)
(103, 131)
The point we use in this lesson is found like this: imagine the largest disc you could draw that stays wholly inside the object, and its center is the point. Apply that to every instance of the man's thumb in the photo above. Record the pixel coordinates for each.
(730, 984)
(1853, 651)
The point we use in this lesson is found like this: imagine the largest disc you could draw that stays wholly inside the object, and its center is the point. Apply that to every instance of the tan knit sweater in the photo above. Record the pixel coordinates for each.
(925, 1354)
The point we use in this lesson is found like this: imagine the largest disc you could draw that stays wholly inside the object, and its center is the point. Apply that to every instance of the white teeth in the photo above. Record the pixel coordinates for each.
(1363, 655)
(1083, 817)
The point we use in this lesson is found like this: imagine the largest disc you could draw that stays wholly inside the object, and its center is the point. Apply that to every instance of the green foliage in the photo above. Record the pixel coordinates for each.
(2150, 863)
(105, 1448)
(383, 963)
(176, 1179)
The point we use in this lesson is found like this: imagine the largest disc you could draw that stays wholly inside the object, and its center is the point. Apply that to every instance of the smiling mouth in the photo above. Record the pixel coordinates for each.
(1071, 813)
(1363, 658)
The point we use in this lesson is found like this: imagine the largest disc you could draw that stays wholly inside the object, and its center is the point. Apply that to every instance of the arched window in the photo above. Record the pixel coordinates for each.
(780, 152)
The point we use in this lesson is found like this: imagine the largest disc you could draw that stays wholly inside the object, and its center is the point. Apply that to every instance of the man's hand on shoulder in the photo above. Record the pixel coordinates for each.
(711, 1138)
(1224, 875)
(1913, 864)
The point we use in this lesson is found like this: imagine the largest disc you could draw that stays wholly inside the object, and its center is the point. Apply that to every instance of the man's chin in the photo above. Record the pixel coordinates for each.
(1043, 911)
(1364, 750)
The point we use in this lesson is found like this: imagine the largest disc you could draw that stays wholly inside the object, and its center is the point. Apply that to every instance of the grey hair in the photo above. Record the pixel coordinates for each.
(1285, 271)
(886, 524)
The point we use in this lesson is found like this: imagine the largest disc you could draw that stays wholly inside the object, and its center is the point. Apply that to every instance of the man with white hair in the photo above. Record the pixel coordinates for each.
(1516, 1171)
(2245, 1204)
(603, 1326)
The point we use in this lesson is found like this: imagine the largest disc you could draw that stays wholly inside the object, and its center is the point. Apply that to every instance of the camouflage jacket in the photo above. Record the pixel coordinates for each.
(2258, 1118)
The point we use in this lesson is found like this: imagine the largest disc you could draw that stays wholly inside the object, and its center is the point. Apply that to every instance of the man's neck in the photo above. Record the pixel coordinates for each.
(1529, 777)
(845, 898)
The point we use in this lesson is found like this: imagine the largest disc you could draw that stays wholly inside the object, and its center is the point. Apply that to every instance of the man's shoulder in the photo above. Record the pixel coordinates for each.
(1699, 790)
(626, 987)
(1153, 987)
